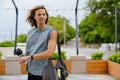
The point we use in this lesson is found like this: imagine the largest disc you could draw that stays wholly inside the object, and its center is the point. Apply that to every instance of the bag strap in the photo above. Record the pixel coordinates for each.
(58, 45)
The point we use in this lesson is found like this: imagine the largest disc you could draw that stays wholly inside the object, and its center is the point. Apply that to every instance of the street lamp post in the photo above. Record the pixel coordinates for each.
(76, 21)
(16, 25)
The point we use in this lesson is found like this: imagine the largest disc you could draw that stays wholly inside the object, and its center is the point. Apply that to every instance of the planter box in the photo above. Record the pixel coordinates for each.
(114, 69)
(23, 71)
(2, 67)
(67, 62)
(96, 66)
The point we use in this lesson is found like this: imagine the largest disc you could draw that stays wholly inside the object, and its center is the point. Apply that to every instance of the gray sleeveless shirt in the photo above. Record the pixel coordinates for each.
(37, 41)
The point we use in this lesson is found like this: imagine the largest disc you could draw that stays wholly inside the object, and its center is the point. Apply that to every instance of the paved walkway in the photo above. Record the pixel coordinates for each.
(71, 77)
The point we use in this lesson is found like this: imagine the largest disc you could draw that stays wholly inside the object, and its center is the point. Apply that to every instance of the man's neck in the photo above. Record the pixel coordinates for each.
(41, 26)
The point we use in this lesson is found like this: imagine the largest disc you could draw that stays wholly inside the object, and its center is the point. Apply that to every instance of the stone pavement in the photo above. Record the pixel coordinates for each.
(71, 77)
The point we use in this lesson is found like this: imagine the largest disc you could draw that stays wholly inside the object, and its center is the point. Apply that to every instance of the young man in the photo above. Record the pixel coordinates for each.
(41, 43)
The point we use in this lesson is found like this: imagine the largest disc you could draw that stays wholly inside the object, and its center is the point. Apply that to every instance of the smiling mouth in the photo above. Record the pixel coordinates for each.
(41, 19)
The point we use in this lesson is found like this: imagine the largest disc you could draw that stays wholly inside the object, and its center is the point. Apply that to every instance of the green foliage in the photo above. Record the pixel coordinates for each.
(97, 55)
(21, 38)
(55, 55)
(0, 54)
(98, 25)
(88, 30)
(57, 23)
(112, 57)
(7, 44)
(115, 57)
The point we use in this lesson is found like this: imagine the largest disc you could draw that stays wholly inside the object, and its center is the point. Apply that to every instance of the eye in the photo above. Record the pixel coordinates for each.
(44, 14)
(39, 14)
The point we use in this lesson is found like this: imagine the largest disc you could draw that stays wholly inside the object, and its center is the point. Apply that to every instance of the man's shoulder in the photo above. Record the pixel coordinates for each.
(32, 29)
(50, 28)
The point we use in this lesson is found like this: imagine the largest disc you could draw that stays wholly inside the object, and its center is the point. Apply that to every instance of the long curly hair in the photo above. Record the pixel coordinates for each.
(30, 17)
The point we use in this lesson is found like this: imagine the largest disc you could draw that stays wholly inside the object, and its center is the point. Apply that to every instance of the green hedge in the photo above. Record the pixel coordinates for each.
(7, 44)
(55, 55)
(0, 54)
(97, 55)
(115, 57)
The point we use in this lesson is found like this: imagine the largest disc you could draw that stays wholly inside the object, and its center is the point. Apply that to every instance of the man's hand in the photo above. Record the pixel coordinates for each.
(23, 59)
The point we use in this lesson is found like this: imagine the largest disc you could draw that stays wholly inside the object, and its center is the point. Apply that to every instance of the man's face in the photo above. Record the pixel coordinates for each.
(40, 16)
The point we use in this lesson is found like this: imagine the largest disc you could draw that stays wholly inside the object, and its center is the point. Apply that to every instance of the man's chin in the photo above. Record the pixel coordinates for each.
(42, 23)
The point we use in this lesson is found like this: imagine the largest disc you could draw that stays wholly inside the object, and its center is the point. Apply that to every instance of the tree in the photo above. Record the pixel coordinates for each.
(21, 38)
(58, 24)
(101, 19)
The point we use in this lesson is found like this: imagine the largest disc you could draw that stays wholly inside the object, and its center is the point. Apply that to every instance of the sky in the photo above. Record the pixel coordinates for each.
(55, 7)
